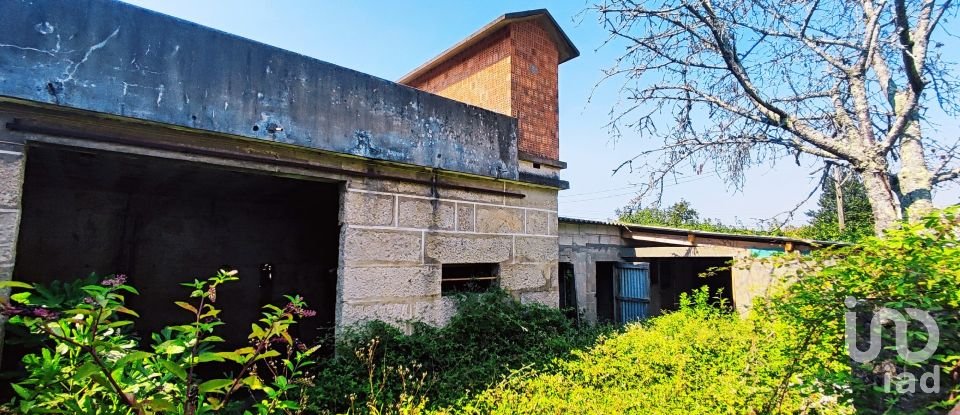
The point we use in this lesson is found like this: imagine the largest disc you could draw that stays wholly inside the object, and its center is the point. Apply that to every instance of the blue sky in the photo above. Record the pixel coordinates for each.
(389, 38)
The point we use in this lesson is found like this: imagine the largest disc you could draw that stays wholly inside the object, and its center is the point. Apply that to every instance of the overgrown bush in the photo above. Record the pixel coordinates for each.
(916, 266)
(490, 335)
(90, 362)
(700, 359)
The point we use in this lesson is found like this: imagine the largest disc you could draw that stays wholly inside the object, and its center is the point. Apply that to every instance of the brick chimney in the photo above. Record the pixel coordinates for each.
(509, 66)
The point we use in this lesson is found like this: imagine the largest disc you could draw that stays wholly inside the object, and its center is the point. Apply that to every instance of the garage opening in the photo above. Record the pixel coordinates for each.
(674, 276)
(162, 222)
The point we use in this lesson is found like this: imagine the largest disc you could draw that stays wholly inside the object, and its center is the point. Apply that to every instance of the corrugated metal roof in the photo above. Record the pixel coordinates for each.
(708, 234)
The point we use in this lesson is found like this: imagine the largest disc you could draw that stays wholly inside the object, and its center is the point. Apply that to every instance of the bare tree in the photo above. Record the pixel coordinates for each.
(748, 81)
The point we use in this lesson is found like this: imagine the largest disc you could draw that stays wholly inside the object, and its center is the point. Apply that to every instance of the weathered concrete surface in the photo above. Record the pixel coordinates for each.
(426, 214)
(527, 276)
(368, 208)
(9, 225)
(11, 178)
(466, 218)
(466, 248)
(387, 283)
(120, 60)
(497, 219)
(365, 247)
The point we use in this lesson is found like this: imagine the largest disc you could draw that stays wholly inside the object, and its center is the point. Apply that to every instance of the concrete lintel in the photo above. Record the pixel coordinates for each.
(681, 252)
(681, 240)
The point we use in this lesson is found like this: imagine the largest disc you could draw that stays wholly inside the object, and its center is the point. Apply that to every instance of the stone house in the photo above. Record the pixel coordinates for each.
(138, 143)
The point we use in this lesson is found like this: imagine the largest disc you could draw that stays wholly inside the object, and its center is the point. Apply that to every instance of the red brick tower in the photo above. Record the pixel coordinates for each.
(509, 66)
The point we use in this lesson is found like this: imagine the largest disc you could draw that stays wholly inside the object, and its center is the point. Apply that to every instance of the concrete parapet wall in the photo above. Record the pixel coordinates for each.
(119, 60)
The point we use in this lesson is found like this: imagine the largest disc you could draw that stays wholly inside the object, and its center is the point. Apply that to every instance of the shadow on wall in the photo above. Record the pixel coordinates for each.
(163, 222)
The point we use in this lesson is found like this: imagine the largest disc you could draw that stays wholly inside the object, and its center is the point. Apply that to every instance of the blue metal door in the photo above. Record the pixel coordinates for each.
(633, 291)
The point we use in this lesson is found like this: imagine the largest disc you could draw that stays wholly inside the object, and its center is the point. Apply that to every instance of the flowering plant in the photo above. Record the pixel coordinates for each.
(90, 362)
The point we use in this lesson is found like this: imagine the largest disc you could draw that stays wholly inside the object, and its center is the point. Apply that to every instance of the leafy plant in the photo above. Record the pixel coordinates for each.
(91, 363)
(699, 359)
(914, 266)
(490, 335)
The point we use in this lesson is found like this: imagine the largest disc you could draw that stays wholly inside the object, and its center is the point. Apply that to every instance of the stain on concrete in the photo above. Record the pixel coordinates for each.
(114, 58)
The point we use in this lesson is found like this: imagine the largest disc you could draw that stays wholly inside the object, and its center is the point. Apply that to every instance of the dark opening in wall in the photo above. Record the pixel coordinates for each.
(162, 222)
(682, 275)
(458, 278)
(568, 290)
(605, 292)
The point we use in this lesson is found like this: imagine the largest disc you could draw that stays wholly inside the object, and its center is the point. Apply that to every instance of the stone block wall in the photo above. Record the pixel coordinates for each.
(395, 238)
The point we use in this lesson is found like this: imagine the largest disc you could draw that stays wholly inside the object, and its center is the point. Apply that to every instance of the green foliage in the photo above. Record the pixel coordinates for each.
(824, 223)
(700, 359)
(680, 215)
(490, 335)
(90, 362)
(915, 266)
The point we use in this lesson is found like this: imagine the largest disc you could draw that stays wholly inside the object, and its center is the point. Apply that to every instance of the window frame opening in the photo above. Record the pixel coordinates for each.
(468, 277)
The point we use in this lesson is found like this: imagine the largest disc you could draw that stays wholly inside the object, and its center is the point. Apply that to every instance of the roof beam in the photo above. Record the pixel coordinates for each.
(668, 239)
(681, 252)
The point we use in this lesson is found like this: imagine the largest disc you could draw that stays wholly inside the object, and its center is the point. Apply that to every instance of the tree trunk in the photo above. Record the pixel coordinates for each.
(914, 177)
(883, 200)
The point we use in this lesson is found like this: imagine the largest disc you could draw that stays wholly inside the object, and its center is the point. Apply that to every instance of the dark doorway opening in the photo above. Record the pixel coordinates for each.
(606, 311)
(162, 222)
(683, 275)
(568, 291)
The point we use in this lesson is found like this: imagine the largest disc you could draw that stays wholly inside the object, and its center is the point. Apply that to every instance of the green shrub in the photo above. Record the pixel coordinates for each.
(490, 335)
(700, 359)
(916, 266)
(89, 361)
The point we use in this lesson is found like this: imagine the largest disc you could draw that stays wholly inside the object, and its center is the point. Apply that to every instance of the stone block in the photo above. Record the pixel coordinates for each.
(547, 298)
(9, 229)
(6, 274)
(368, 209)
(389, 282)
(494, 219)
(464, 248)
(584, 239)
(565, 240)
(436, 312)
(390, 186)
(426, 214)
(552, 225)
(535, 249)
(443, 193)
(536, 197)
(465, 217)
(538, 222)
(526, 276)
(11, 180)
(611, 240)
(473, 196)
(381, 247)
(352, 314)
